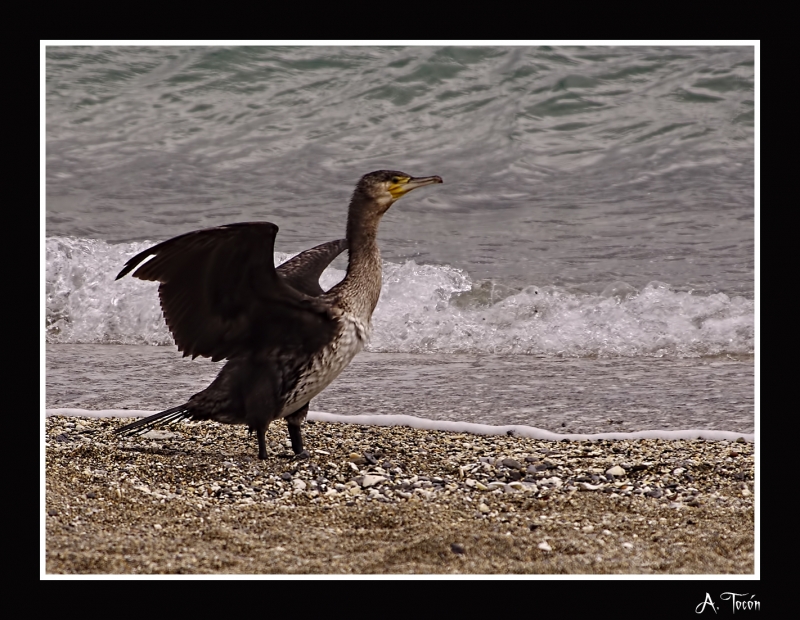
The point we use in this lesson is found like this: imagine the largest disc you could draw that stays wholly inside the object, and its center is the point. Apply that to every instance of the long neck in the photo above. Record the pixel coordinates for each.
(361, 287)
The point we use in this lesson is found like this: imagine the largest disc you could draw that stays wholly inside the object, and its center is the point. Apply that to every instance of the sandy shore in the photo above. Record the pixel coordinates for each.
(394, 500)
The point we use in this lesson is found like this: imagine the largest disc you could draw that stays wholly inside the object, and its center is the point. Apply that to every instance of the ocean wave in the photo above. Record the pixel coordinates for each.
(423, 308)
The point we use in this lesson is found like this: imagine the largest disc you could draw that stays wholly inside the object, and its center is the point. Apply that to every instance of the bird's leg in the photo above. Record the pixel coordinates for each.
(259, 402)
(261, 432)
(294, 421)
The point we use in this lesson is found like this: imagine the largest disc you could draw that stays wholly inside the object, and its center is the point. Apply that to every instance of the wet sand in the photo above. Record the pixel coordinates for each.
(565, 396)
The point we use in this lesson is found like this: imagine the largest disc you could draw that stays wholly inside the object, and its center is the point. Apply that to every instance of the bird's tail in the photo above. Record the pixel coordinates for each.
(163, 418)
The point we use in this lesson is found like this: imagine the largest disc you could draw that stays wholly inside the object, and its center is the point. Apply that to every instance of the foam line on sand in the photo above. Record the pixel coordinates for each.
(454, 427)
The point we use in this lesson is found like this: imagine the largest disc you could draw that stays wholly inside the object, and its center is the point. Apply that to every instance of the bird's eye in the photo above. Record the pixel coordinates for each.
(395, 179)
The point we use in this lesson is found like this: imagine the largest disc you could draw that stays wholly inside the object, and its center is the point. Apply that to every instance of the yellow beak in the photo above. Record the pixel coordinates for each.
(406, 185)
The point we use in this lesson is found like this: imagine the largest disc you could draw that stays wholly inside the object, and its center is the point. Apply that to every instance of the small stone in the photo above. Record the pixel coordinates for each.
(483, 508)
(544, 546)
(627, 545)
(615, 471)
(286, 476)
(157, 526)
(299, 484)
(585, 486)
(511, 463)
(457, 548)
(91, 495)
(52, 512)
(158, 435)
(371, 480)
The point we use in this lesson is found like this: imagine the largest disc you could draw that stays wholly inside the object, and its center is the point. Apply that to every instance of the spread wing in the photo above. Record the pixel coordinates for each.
(303, 271)
(222, 297)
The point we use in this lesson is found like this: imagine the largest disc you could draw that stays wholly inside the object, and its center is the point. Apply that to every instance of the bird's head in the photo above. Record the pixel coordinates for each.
(383, 187)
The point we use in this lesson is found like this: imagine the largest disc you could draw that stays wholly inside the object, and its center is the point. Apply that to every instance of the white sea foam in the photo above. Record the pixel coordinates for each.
(423, 308)
(453, 427)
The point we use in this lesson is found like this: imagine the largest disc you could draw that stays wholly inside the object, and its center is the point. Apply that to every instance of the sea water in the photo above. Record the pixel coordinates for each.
(591, 251)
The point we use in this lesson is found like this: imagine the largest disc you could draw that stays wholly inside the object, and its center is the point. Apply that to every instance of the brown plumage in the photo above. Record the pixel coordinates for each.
(284, 338)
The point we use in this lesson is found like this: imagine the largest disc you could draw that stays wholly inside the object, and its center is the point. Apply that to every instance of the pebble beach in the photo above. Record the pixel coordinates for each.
(193, 499)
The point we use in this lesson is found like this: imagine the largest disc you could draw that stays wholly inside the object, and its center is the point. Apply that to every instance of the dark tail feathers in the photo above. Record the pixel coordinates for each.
(164, 418)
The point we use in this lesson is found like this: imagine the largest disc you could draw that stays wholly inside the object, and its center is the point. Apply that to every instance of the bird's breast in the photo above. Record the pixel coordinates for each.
(329, 362)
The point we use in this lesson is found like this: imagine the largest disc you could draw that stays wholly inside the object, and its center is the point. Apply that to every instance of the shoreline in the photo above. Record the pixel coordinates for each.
(562, 396)
(518, 430)
(193, 499)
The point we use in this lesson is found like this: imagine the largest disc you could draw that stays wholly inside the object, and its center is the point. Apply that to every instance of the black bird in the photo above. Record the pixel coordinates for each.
(284, 338)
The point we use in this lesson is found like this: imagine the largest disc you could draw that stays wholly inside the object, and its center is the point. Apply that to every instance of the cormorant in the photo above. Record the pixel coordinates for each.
(284, 338)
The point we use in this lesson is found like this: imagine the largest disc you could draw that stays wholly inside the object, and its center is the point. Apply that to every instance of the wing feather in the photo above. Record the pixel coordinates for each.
(303, 271)
(222, 297)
